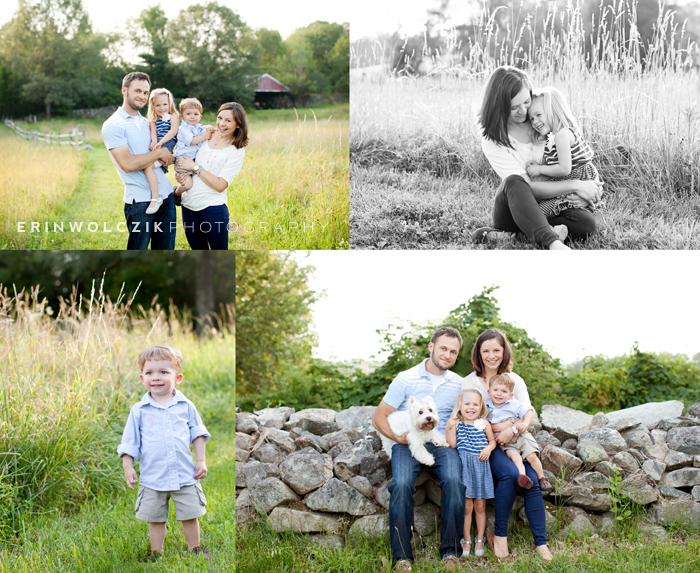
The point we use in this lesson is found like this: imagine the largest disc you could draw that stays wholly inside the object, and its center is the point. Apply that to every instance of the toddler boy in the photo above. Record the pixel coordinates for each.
(190, 137)
(507, 412)
(160, 429)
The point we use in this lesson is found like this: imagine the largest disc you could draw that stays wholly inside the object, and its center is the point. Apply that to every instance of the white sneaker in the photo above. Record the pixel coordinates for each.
(157, 164)
(562, 231)
(154, 206)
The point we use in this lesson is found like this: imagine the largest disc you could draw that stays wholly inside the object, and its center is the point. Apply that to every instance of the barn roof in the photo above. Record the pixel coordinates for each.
(267, 83)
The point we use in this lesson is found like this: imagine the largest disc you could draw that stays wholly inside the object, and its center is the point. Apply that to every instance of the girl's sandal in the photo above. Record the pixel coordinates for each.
(479, 552)
(465, 552)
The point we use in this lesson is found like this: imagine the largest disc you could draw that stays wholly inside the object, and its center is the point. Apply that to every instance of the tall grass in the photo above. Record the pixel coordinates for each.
(36, 180)
(66, 383)
(636, 102)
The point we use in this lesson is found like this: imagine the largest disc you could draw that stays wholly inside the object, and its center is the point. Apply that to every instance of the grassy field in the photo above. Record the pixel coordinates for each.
(420, 180)
(262, 550)
(291, 193)
(66, 384)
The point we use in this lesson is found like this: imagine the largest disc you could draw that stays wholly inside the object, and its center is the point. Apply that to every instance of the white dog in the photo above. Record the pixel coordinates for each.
(420, 421)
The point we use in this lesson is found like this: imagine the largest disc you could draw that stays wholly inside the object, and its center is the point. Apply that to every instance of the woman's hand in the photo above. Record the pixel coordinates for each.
(589, 191)
(180, 177)
(533, 168)
(186, 163)
(505, 436)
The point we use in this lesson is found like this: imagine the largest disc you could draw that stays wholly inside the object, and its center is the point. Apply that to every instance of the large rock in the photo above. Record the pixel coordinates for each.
(590, 452)
(306, 470)
(270, 493)
(274, 417)
(254, 472)
(348, 463)
(580, 525)
(637, 438)
(338, 497)
(680, 422)
(656, 452)
(686, 477)
(371, 526)
(686, 440)
(595, 481)
(279, 438)
(650, 414)
(268, 454)
(244, 509)
(356, 417)
(658, 436)
(639, 491)
(622, 424)
(682, 511)
(244, 442)
(611, 440)
(608, 468)
(382, 495)
(584, 498)
(546, 439)
(350, 435)
(626, 461)
(309, 440)
(318, 421)
(564, 422)
(677, 460)
(693, 411)
(559, 461)
(599, 420)
(287, 519)
(246, 422)
(654, 469)
(695, 493)
(426, 519)
(671, 492)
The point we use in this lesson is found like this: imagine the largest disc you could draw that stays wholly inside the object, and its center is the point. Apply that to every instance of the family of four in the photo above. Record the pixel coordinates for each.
(490, 406)
(207, 160)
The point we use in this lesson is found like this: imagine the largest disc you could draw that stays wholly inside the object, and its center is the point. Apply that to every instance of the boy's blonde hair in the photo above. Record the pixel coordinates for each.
(504, 379)
(161, 352)
(152, 108)
(189, 102)
(557, 112)
(483, 412)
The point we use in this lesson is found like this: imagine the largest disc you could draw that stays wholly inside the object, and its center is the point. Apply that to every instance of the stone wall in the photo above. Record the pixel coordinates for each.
(100, 112)
(315, 470)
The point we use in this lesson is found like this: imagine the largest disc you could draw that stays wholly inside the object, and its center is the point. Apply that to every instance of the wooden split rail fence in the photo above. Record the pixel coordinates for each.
(75, 138)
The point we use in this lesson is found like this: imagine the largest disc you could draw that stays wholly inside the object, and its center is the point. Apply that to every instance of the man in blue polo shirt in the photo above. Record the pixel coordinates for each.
(432, 377)
(127, 136)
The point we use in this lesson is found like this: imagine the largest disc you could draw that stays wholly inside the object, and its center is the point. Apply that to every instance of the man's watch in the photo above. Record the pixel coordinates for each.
(197, 169)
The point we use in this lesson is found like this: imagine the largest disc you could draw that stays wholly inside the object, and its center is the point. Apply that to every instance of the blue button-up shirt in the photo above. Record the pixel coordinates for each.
(185, 135)
(135, 131)
(161, 437)
(511, 409)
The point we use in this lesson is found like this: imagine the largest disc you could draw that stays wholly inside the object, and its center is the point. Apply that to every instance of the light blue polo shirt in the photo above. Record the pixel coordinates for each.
(135, 131)
(161, 437)
(416, 382)
(511, 409)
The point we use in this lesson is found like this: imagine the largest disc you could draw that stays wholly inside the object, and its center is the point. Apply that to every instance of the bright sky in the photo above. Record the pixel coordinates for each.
(574, 304)
(280, 15)
(388, 16)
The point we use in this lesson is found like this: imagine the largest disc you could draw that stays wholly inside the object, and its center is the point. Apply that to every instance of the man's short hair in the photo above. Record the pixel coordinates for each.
(504, 379)
(447, 331)
(161, 352)
(189, 102)
(131, 76)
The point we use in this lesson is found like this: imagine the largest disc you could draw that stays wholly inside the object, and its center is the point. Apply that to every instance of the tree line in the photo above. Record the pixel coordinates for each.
(52, 61)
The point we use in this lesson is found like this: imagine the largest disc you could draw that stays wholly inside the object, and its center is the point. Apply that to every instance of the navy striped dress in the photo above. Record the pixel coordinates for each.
(476, 475)
(162, 129)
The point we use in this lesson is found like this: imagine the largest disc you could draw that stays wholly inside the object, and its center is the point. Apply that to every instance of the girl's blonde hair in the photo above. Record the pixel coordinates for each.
(557, 112)
(152, 109)
(483, 412)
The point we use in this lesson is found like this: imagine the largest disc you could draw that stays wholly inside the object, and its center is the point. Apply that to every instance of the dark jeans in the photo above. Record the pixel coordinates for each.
(505, 479)
(159, 228)
(206, 229)
(405, 469)
(516, 210)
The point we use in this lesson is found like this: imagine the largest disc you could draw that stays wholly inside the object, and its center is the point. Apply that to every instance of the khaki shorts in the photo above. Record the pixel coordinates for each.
(152, 505)
(523, 443)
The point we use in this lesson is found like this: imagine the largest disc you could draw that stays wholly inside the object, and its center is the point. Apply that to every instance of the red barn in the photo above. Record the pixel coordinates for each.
(271, 93)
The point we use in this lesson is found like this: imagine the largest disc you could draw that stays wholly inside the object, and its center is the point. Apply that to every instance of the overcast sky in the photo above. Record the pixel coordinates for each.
(574, 304)
(281, 15)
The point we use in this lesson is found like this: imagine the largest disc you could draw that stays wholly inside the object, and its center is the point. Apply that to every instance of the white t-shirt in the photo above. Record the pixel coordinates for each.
(519, 391)
(225, 163)
(506, 161)
(436, 380)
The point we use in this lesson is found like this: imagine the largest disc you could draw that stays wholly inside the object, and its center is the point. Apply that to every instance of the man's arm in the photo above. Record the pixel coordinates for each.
(381, 423)
(129, 163)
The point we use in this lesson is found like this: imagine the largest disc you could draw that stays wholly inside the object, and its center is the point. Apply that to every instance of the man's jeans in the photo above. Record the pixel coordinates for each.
(158, 229)
(405, 469)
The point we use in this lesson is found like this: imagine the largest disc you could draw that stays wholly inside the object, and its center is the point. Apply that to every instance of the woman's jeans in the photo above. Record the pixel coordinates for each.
(516, 210)
(405, 469)
(206, 229)
(505, 478)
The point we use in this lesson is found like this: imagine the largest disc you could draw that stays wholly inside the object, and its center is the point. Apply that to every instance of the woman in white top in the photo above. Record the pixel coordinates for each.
(508, 144)
(492, 355)
(205, 206)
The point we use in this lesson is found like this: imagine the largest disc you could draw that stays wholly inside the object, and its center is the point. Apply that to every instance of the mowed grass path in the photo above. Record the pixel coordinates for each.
(419, 179)
(105, 537)
(293, 190)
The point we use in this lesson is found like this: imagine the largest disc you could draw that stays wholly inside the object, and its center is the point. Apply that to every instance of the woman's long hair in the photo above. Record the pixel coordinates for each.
(240, 134)
(503, 85)
(506, 364)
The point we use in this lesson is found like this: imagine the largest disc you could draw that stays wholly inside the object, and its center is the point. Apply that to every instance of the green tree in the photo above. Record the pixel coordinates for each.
(273, 319)
(51, 46)
(219, 54)
(273, 49)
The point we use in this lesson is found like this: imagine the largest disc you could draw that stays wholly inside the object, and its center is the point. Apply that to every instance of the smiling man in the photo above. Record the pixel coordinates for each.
(127, 136)
(432, 377)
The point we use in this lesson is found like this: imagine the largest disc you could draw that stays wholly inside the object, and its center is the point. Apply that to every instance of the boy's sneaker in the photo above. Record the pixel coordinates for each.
(201, 551)
(544, 484)
(524, 482)
(153, 556)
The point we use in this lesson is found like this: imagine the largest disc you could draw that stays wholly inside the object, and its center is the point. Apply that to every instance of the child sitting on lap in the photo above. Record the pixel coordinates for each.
(160, 429)
(507, 412)
(190, 137)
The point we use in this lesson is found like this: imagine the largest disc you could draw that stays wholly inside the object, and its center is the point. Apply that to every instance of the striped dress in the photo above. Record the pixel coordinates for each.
(162, 129)
(581, 168)
(476, 475)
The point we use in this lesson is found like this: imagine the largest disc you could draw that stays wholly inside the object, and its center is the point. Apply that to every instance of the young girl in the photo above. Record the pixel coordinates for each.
(469, 432)
(164, 124)
(566, 155)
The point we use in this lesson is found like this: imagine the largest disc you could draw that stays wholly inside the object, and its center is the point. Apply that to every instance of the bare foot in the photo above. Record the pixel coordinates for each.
(545, 553)
(499, 545)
